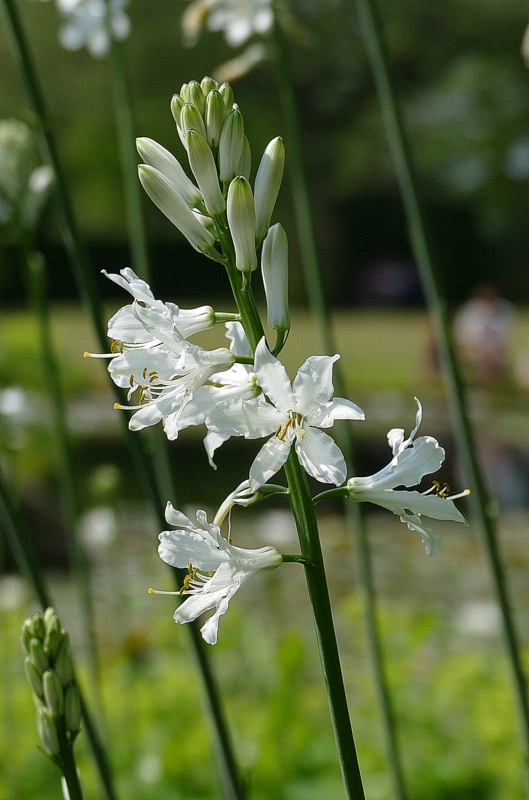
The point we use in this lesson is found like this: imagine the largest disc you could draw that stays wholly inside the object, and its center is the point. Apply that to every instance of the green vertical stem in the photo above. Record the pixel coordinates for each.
(129, 162)
(313, 279)
(87, 289)
(307, 527)
(26, 559)
(481, 505)
(70, 502)
(69, 767)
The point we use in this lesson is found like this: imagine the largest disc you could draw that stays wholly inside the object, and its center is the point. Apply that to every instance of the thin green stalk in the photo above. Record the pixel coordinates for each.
(28, 566)
(481, 505)
(129, 162)
(70, 501)
(87, 289)
(68, 765)
(354, 516)
(307, 527)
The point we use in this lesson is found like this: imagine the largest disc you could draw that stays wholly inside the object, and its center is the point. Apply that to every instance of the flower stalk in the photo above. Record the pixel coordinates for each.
(480, 501)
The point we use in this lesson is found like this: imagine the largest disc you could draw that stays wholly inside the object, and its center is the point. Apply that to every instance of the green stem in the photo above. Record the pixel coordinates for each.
(354, 517)
(481, 505)
(68, 766)
(293, 559)
(87, 289)
(129, 162)
(307, 526)
(28, 566)
(69, 499)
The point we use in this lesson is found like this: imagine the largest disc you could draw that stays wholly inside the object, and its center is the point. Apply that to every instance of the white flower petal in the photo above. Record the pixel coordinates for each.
(179, 548)
(176, 518)
(431, 541)
(212, 442)
(321, 457)
(407, 468)
(273, 378)
(338, 408)
(312, 385)
(252, 418)
(268, 461)
(400, 503)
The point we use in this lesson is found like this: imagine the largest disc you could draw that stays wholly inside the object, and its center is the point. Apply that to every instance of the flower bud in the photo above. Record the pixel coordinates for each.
(205, 171)
(183, 92)
(208, 85)
(161, 159)
(72, 709)
(245, 164)
(33, 677)
(48, 732)
(26, 635)
(53, 693)
(230, 144)
(215, 115)
(241, 219)
(53, 637)
(267, 184)
(195, 95)
(274, 266)
(190, 117)
(172, 204)
(36, 626)
(226, 92)
(37, 655)
(63, 663)
(177, 103)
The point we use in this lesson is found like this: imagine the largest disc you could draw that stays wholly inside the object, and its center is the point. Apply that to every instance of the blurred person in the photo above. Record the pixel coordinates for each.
(482, 328)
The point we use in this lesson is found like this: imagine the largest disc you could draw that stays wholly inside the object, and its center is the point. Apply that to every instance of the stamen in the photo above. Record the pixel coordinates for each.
(150, 590)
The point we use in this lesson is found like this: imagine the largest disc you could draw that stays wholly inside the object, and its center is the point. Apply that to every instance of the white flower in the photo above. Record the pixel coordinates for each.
(216, 568)
(239, 19)
(87, 24)
(294, 415)
(412, 459)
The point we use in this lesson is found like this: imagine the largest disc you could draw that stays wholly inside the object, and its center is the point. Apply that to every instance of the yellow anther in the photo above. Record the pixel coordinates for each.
(86, 354)
(131, 381)
(144, 373)
(437, 486)
(153, 372)
(116, 406)
(150, 590)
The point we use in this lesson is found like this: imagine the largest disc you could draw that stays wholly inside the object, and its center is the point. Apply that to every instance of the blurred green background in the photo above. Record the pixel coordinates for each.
(466, 96)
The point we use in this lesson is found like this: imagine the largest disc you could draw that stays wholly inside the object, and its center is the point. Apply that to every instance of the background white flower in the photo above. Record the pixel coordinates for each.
(86, 24)
(217, 569)
(295, 414)
(238, 19)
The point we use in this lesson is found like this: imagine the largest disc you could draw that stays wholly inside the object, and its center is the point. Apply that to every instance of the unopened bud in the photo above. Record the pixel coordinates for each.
(245, 164)
(33, 677)
(226, 92)
(215, 114)
(177, 103)
(274, 266)
(48, 732)
(195, 95)
(161, 159)
(205, 171)
(208, 85)
(63, 663)
(267, 184)
(26, 635)
(172, 204)
(38, 656)
(36, 626)
(53, 637)
(190, 117)
(53, 693)
(72, 708)
(230, 144)
(241, 219)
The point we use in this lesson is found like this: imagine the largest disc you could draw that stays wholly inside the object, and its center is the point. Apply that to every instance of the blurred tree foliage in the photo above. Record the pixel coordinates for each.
(466, 96)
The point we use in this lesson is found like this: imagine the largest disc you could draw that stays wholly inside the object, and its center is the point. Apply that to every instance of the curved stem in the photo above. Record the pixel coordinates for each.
(481, 506)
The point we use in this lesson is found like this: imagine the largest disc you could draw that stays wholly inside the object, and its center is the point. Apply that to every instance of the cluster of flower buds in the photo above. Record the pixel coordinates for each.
(49, 670)
(220, 212)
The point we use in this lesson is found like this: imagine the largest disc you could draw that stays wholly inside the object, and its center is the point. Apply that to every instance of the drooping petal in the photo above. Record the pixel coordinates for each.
(431, 541)
(338, 408)
(149, 415)
(313, 385)
(212, 442)
(273, 378)
(180, 547)
(210, 628)
(321, 457)
(195, 605)
(268, 461)
(430, 505)
(252, 418)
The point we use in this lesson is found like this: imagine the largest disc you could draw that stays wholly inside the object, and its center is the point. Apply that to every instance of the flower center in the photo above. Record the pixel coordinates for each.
(292, 427)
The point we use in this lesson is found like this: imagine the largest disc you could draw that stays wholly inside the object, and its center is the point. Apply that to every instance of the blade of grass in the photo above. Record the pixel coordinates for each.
(480, 501)
(354, 516)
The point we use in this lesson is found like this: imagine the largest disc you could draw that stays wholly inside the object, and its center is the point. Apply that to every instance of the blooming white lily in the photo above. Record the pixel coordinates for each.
(412, 460)
(216, 568)
(295, 413)
(239, 19)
